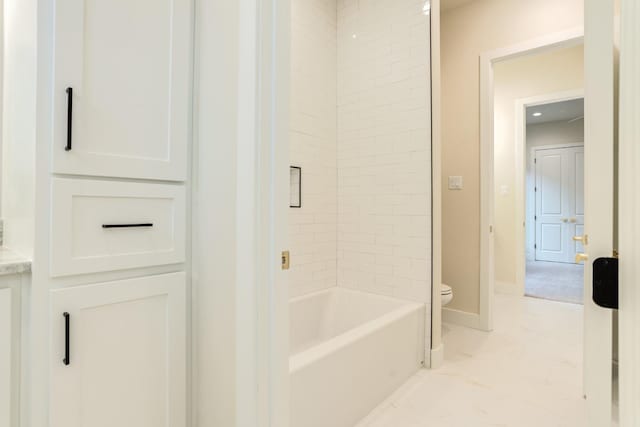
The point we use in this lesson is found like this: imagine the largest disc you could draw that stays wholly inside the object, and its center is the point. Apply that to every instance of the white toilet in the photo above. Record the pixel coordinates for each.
(446, 293)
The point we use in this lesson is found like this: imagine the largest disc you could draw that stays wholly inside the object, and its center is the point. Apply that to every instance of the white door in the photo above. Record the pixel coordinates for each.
(598, 203)
(122, 87)
(119, 354)
(559, 202)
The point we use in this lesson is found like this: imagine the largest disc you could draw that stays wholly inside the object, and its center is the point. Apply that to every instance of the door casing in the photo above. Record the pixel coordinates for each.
(561, 40)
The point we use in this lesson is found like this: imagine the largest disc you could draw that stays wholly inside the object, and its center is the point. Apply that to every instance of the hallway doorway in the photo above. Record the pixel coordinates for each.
(554, 140)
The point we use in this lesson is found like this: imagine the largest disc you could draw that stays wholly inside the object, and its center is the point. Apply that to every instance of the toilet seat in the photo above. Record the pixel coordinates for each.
(446, 294)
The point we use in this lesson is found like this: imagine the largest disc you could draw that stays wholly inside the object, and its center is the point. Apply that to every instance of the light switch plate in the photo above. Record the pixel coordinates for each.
(455, 183)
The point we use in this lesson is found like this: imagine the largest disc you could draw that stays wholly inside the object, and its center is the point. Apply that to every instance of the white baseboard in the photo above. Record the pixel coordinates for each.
(437, 356)
(506, 288)
(461, 318)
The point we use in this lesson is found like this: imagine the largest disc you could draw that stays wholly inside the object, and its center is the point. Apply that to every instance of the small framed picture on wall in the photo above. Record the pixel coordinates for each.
(295, 182)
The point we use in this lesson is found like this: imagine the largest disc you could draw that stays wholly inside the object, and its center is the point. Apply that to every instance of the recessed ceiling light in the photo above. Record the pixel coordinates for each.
(353, 36)
(537, 114)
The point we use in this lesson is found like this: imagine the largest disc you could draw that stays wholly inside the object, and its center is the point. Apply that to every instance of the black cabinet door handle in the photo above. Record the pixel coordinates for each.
(69, 117)
(145, 224)
(67, 338)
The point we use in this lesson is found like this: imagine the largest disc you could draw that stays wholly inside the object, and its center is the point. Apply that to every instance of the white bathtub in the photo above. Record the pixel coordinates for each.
(349, 351)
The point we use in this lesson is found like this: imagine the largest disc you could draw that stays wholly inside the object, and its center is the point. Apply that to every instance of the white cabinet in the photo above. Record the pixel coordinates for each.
(128, 64)
(125, 349)
(6, 347)
(107, 225)
(10, 338)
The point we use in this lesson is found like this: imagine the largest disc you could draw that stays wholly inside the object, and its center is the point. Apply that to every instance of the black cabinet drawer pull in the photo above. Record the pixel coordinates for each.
(69, 117)
(67, 338)
(146, 224)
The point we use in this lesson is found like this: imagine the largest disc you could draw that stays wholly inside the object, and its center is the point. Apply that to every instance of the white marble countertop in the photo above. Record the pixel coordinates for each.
(13, 263)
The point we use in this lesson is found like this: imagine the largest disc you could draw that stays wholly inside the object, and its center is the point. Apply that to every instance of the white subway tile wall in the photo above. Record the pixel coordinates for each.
(384, 147)
(313, 227)
(360, 130)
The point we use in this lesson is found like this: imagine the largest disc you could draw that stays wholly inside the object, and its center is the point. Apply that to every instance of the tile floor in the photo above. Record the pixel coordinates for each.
(555, 281)
(526, 373)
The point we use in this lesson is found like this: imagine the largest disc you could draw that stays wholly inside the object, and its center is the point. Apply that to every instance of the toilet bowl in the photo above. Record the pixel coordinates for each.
(446, 294)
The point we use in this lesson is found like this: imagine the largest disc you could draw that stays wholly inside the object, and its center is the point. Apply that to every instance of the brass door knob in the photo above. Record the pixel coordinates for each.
(581, 257)
(573, 220)
(583, 239)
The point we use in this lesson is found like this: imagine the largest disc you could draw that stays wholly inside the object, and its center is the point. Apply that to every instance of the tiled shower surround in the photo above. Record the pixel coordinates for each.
(313, 240)
(381, 199)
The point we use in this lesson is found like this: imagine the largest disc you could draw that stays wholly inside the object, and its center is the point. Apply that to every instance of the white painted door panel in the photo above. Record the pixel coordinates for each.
(127, 358)
(599, 54)
(82, 209)
(129, 64)
(552, 205)
(559, 202)
(6, 346)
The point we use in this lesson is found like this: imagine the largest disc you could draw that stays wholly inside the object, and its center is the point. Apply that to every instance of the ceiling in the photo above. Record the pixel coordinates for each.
(452, 4)
(557, 111)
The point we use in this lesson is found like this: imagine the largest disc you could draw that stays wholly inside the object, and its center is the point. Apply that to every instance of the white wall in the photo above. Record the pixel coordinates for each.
(384, 137)
(555, 133)
(313, 228)
(467, 32)
(533, 75)
(19, 125)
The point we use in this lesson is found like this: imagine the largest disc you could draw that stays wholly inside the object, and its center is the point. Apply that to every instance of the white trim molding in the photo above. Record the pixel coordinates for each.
(437, 357)
(272, 150)
(435, 324)
(629, 215)
(462, 318)
(572, 37)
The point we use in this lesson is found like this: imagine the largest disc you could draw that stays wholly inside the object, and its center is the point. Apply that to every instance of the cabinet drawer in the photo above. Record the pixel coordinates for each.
(105, 225)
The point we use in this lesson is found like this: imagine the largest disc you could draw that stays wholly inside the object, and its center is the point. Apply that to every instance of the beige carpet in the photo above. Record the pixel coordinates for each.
(555, 281)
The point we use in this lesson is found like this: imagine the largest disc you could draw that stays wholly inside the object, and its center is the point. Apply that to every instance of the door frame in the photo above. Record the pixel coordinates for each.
(521, 159)
(240, 373)
(270, 198)
(555, 41)
(629, 215)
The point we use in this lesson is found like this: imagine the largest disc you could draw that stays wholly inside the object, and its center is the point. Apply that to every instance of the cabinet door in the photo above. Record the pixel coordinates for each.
(128, 64)
(5, 357)
(118, 355)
